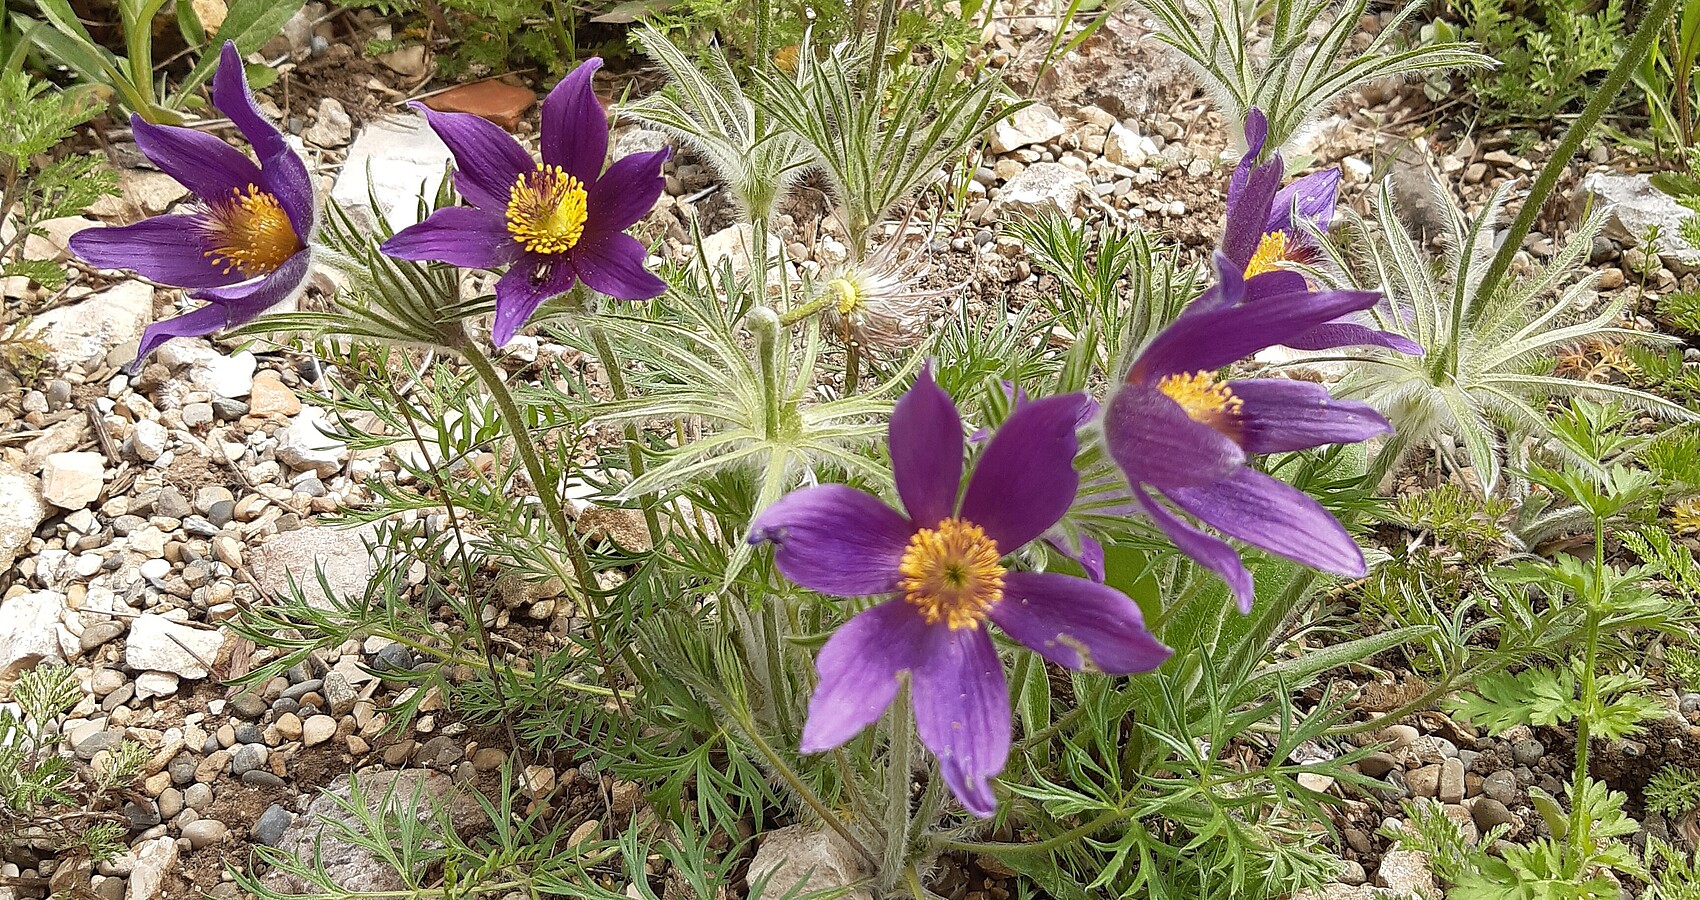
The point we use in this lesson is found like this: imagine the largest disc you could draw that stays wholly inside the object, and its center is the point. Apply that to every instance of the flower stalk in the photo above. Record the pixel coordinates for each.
(1590, 686)
(634, 450)
(1604, 97)
(900, 730)
(547, 487)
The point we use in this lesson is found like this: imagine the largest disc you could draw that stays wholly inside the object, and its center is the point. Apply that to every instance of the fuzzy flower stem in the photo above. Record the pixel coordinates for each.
(547, 488)
(900, 728)
(764, 325)
(1604, 96)
(1590, 686)
(634, 452)
(807, 794)
(808, 309)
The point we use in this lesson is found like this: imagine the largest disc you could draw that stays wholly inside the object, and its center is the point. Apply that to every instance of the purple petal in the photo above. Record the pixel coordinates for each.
(523, 288)
(836, 540)
(1076, 623)
(1210, 339)
(247, 300)
(1207, 550)
(1277, 517)
(1248, 210)
(197, 322)
(1350, 334)
(231, 306)
(858, 672)
(1279, 415)
(458, 235)
(488, 161)
(626, 192)
(962, 713)
(1275, 284)
(1090, 557)
(1025, 481)
(612, 262)
(575, 126)
(1256, 131)
(1310, 198)
(282, 173)
(207, 166)
(925, 437)
(1155, 442)
(168, 249)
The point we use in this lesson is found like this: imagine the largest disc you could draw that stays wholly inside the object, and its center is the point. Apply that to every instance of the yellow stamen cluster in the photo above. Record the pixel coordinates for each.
(1685, 517)
(250, 233)
(849, 298)
(1271, 252)
(1204, 398)
(951, 574)
(547, 210)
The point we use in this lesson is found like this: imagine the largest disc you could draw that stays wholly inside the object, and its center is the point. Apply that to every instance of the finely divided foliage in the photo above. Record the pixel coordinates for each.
(1067, 591)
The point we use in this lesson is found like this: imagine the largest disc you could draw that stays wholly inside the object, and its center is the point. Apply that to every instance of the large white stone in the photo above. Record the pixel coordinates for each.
(21, 512)
(304, 445)
(72, 480)
(395, 159)
(1036, 124)
(229, 376)
(148, 440)
(31, 633)
(807, 859)
(1045, 187)
(157, 644)
(299, 555)
(84, 333)
(155, 860)
(1637, 208)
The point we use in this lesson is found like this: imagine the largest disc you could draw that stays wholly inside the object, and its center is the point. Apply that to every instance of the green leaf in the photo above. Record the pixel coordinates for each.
(189, 24)
(44, 272)
(1046, 874)
(249, 23)
(1531, 697)
(1293, 674)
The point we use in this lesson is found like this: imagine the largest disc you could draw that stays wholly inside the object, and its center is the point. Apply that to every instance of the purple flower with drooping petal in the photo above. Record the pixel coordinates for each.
(1178, 431)
(246, 248)
(945, 562)
(1263, 234)
(557, 222)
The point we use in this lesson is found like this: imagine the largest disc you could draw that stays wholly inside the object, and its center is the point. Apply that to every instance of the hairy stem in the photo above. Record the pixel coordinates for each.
(547, 487)
(1648, 31)
(900, 728)
(634, 449)
(1590, 686)
(810, 799)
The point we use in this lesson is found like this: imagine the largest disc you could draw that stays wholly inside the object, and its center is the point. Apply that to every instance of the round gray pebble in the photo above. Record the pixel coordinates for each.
(247, 758)
(1528, 751)
(269, 828)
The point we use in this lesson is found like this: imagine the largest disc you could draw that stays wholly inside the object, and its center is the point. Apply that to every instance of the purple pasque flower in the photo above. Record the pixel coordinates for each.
(945, 562)
(1177, 430)
(557, 222)
(1264, 234)
(245, 249)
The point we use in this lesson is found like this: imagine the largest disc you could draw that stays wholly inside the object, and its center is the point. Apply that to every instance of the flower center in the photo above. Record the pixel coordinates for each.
(250, 233)
(546, 210)
(1205, 399)
(848, 297)
(951, 574)
(1271, 252)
